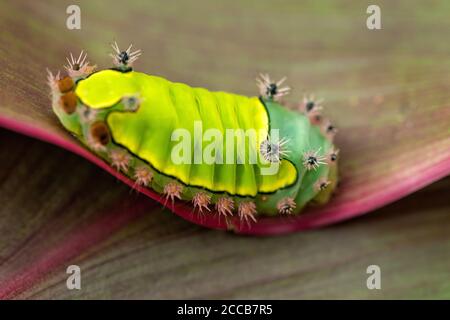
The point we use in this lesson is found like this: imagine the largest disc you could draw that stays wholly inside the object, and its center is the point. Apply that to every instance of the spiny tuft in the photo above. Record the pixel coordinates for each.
(286, 205)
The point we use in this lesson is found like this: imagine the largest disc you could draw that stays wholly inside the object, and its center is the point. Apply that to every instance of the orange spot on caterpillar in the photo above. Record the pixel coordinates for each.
(65, 84)
(68, 102)
(100, 133)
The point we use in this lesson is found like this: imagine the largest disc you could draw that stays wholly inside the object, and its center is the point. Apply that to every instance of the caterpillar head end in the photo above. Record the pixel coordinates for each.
(64, 100)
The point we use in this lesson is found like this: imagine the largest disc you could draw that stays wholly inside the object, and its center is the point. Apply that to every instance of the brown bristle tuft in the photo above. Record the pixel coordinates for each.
(120, 159)
(201, 201)
(225, 206)
(321, 184)
(246, 211)
(286, 206)
(173, 190)
(143, 175)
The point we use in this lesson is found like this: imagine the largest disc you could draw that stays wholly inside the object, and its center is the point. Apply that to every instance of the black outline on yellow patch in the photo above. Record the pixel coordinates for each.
(217, 192)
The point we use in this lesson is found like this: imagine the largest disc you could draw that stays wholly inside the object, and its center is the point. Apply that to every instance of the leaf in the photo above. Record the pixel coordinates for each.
(387, 95)
(49, 222)
(387, 91)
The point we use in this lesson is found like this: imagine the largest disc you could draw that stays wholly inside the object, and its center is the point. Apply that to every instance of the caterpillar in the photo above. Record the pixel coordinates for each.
(280, 160)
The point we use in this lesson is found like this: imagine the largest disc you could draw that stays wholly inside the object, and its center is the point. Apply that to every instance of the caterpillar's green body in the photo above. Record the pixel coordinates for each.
(128, 118)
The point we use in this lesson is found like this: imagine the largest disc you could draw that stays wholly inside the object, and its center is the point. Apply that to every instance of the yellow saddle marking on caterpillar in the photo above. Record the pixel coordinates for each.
(166, 106)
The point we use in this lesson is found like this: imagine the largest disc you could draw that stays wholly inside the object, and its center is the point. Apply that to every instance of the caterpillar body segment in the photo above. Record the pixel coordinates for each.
(141, 124)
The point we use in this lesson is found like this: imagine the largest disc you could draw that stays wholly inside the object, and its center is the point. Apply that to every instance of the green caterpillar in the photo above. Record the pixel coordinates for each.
(275, 162)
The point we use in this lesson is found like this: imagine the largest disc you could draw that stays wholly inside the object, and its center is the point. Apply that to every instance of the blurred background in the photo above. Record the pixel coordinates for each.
(386, 90)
